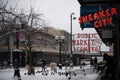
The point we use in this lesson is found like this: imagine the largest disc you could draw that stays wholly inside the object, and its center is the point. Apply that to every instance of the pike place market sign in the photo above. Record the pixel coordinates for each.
(98, 17)
(88, 42)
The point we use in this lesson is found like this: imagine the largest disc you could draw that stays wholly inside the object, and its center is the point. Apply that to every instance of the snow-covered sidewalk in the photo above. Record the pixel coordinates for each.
(7, 74)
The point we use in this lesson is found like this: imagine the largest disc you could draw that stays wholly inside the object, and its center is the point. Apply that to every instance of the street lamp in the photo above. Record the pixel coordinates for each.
(60, 40)
(71, 18)
(16, 58)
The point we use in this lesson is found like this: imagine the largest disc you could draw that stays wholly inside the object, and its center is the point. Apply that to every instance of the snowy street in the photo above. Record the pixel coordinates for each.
(77, 73)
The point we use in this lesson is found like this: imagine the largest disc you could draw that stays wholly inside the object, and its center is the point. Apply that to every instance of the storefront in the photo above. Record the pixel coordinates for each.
(105, 18)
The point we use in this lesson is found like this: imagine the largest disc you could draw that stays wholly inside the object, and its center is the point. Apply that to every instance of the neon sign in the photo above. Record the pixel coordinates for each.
(93, 17)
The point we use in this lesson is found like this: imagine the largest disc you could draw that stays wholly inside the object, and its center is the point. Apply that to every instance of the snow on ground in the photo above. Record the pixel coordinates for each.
(7, 74)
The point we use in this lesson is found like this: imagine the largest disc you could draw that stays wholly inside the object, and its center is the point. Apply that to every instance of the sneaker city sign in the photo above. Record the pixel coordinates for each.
(98, 17)
(87, 42)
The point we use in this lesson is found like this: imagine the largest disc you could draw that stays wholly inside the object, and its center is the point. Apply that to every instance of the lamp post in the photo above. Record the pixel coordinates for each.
(16, 58)
(60, 40)
(71, 18)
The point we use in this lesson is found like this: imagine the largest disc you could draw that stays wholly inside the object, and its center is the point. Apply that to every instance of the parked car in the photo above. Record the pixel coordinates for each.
(85, 61)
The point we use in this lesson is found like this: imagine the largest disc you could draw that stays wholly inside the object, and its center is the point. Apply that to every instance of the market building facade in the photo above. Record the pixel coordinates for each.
(42, 44)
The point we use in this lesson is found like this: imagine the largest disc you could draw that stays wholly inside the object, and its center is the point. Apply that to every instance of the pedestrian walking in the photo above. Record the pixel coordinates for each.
(43, 64)
(66, 64)
(71, 64)
(110, 67)
(95, 63)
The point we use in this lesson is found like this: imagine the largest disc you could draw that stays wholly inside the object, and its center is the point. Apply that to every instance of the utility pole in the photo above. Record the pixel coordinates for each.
(71, 18)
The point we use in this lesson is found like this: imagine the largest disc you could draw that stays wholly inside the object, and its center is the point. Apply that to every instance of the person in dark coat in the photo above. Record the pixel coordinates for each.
(95, 62)
(110, 67)
(43, 64)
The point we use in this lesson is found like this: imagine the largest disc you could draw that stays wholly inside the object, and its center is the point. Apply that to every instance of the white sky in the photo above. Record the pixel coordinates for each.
(56, 13)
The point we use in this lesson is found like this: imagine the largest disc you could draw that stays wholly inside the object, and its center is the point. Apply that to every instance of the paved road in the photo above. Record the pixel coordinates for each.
(81, 74)
(77, 73)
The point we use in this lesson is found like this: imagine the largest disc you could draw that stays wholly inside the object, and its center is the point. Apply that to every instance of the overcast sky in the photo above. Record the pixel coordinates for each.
(56, 13)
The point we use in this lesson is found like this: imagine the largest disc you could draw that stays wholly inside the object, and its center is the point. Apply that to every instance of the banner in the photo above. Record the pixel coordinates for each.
(87, 42)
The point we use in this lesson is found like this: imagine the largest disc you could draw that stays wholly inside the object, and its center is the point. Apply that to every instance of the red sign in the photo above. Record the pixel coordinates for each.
(100, 18)
(87, 42)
